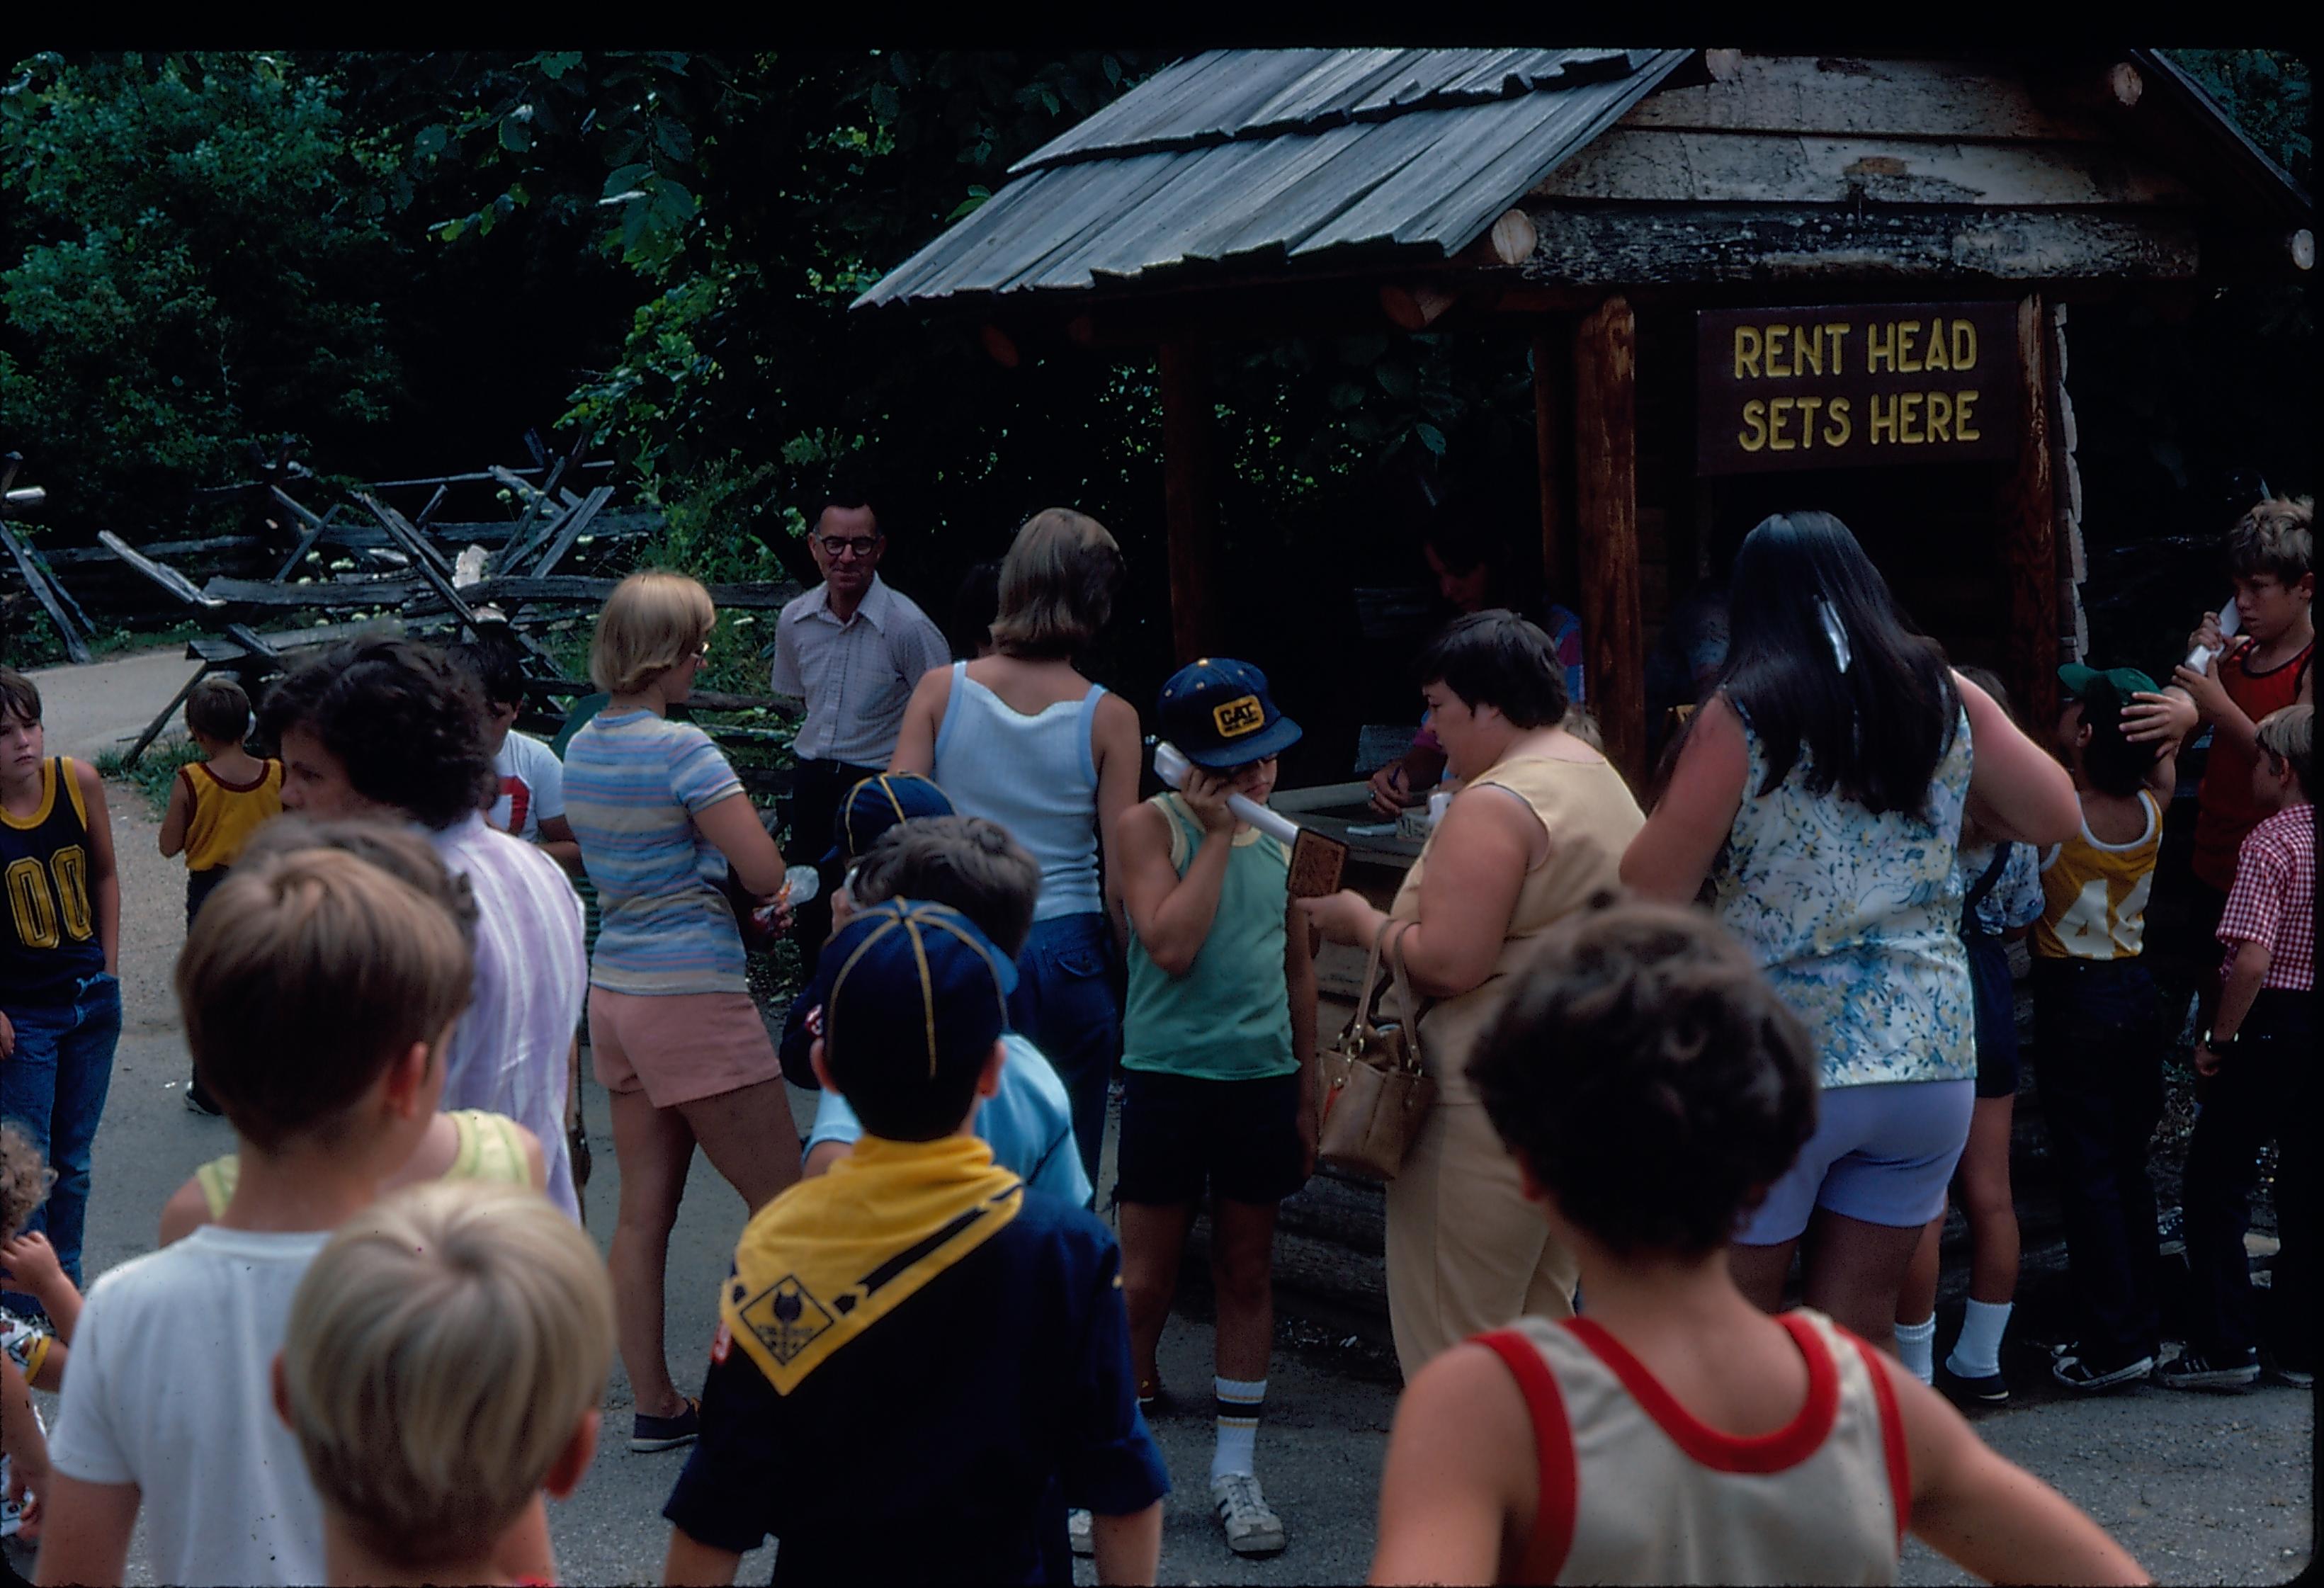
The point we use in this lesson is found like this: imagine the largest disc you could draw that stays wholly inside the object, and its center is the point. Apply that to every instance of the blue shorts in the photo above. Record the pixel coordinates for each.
(1883, 1154)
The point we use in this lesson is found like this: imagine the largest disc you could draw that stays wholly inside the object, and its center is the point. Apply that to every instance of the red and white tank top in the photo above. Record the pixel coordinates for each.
(1636, 1489)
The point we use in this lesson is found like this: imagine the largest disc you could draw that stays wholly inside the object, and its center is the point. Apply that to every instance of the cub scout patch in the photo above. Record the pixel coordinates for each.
(786, 1318)
(1243, 714)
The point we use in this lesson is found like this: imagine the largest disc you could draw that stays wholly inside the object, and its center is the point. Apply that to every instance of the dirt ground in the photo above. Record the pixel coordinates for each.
(2201, 1489)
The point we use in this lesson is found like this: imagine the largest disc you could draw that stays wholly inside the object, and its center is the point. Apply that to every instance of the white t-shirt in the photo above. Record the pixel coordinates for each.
(170, 1389)
(532, 787)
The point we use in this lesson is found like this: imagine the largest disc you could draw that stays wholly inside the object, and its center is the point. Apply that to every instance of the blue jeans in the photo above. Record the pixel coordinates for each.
(53, 1085)
(1066, 1005)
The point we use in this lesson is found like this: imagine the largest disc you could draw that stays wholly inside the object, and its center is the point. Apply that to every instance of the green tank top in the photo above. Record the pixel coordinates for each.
(488, 1149)
(1229, 1016)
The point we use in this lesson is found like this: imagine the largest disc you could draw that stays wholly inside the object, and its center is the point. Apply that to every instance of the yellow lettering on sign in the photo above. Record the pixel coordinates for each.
(1753, 437)
(1807, 346)
(1964, 423)
(1839, 335)
(1883, 417)
(1941, 409)
(1808, 407)
(1935, 357)
(1837, 429)
(1747, 351)
(1908, 420)
(1907, 360)
(1774, 338)
(1880, 350)
(1779, 410)
(1964, 345)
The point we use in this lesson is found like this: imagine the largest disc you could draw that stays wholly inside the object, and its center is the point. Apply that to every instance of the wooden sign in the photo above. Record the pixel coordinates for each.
(1855, 386)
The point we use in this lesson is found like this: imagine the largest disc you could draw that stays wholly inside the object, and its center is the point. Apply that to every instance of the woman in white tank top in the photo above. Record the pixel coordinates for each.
(1021, 738)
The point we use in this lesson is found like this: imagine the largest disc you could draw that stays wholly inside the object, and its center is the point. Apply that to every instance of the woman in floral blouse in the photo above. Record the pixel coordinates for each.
(1821, 793)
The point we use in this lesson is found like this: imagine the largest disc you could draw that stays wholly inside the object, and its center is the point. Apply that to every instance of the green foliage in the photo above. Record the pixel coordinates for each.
(2270, 93)
(156, 769)
(191, 271)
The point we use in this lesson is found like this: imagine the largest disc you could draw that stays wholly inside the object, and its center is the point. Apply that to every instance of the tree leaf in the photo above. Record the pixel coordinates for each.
(430, 140)
(1431, 438)
(554, 64)
(516, 137)
(622, 179)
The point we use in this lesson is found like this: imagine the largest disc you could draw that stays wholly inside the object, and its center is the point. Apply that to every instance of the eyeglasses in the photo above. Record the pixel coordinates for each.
(833, 546)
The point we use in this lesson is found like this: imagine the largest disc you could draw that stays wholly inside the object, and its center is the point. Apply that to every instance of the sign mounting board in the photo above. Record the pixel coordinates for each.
(1855, 386)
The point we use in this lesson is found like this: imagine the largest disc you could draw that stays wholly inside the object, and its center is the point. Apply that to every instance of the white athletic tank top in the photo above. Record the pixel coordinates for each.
(1036, 776)
(1634, 1488)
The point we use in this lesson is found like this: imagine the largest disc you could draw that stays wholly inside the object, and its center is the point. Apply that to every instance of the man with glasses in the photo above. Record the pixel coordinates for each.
(853, 648)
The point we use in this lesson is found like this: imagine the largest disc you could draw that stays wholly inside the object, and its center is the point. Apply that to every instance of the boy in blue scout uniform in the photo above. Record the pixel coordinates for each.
(918, 1363)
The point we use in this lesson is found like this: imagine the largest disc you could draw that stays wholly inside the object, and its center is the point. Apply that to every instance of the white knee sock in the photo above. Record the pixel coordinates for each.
(1916, 1346)
(1239, 1403)
(1976, 1354)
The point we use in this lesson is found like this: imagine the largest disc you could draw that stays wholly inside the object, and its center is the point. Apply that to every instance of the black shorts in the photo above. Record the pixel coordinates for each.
(1996, 1017)
(1180, 1133)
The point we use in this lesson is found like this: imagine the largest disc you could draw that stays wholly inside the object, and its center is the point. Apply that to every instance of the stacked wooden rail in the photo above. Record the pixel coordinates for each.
(386, 572)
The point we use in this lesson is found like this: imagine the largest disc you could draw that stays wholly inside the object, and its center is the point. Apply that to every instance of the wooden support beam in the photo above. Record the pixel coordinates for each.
(1417, 305)
(168, 578)
(75, 647)
(1606, 499)
(2028, 512)
(1190, 506)
(1548, 438)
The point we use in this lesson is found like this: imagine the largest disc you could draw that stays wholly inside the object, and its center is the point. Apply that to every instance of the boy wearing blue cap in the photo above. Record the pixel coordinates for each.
(976, 868)
(949, 1344)
(1217, 1041)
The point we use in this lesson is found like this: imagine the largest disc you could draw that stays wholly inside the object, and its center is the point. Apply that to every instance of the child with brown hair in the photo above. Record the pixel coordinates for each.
(441, 1369)
(318, 994)
(461, 1144)
(216, 803)
(1653, 1086)
(60, 933)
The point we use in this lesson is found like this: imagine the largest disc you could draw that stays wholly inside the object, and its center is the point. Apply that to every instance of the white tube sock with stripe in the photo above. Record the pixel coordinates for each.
(1917, 1347)
(1240, 1404)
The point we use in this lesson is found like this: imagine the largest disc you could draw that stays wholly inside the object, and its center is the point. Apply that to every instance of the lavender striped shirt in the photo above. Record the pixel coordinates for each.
(510, 1050)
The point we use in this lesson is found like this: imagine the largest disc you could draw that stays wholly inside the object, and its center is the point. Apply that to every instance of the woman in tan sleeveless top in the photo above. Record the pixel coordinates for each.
(1539, 827)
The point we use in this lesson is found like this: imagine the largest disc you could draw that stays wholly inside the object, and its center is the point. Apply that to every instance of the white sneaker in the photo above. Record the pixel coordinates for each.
(1078, 1534)
(1251, 1526)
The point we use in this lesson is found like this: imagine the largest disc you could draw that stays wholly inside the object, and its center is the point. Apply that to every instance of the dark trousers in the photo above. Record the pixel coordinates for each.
(199, 886)
(2098, 1067)
(816, 788)
(2263, 1091)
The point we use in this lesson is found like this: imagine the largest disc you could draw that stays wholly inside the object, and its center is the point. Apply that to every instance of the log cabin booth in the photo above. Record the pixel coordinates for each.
(1749, 281)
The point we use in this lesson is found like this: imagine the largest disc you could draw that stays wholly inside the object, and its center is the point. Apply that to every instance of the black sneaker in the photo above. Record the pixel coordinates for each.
(1981, 1389)
(2077, 1373)
(199, 1101)
(2300, 1377)
(650, 1433)
(2196, 1370)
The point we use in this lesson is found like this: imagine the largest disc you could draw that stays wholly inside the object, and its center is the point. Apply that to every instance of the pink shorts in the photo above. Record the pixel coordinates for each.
(680, 1047)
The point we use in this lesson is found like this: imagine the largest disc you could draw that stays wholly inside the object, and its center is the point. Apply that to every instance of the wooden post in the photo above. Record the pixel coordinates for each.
(2028, 514)
(1196, 623)
(1546, 438)
(1606, 501)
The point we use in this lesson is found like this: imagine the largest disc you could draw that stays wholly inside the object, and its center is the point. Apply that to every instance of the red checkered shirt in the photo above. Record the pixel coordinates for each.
(2274, 900)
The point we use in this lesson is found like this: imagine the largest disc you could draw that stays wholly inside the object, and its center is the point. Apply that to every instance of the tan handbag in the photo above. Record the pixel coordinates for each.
(1375, 1093)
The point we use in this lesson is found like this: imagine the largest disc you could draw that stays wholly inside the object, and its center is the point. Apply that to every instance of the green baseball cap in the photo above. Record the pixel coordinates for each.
(2127, 681)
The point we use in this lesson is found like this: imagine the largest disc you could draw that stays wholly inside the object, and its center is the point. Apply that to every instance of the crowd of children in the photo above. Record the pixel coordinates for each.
(403, 1337)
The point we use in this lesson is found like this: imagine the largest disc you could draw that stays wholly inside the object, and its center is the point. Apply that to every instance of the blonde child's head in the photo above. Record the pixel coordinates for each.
(443, 1364)
(25, 1179)
(1058, 585)
(2287, 741)
(306, 976)
(652, 622)
(2277, 537)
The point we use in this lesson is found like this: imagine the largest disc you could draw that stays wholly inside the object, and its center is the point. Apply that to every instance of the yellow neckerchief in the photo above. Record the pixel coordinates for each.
(833, 1255)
